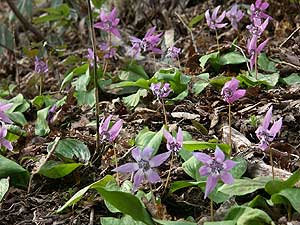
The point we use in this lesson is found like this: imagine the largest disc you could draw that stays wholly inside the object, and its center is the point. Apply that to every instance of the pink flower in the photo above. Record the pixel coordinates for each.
(257, 28)
(173, 52)
(174, 144)
(90, 56)
(213, 21)
(254, 51)
(230, 91)
(109, 51)
(3, 142)
(40, 66)
(234, 15)
(109, 22)
(258, 10)
(3, 116)
(111, 134)
(161, 90)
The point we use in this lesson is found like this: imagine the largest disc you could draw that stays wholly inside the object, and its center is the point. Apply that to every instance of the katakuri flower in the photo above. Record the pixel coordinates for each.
(213, 21)
(90, 57)
(5, 107)
(234, 15)
(40, 66)
(173, 52)
(230, 91)
(144, 166)
(3, 142)
(161, 90)
(254, 50)
(109, 51)
(174, 144)
(111, 134)
(257, 27)
(215, 168)
(266, 135)
(109, 22)
(258, 10)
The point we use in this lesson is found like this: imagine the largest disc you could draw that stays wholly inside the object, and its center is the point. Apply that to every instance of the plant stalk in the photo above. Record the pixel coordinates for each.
(116, 164)
(169, 173)
(272, 164)
(211, 210)
(230, 131)
(217, 38)
(164, 111)
(255, 67)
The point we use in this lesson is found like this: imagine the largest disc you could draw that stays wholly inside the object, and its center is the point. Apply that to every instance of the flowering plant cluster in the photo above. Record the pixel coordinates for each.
(4, 119)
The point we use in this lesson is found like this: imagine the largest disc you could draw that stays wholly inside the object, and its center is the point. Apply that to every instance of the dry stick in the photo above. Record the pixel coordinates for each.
(229, 125)
(23, 20)
(272, 164)
(291, 35)
(211, 210)
(43, 163)
(93, 39)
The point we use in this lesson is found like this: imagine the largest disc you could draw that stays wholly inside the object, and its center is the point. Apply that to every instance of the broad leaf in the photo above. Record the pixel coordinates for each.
(204, 59)
(294, 78)
(265, 64)
(231, 58)
(86, 97)
(54, 169)
(4, 186)
(41, 124)
(201, 84)
(133, 100)
(177, 185)
(291, 195)
(125, 220)
(167, 222)
(198, 145)
(195, 20)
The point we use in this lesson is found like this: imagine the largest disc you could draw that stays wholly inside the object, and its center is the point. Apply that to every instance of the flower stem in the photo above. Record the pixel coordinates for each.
(289, 211)
(116, 164)
(164, 111)
(255, 67)
(229, 125)
(169, 173)
(152, 195)
(217, 38)
(271, 161)
(93, 39)
(211, 210)
(41, 84)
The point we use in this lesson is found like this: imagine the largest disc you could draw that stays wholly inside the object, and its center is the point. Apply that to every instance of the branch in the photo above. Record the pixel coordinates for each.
(25, 23)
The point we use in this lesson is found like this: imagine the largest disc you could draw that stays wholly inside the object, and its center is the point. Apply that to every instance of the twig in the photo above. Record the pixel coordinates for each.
(23, 20)
(43, 163)
(288, 38)
(92, 215)
(189, 29)
(93, 39)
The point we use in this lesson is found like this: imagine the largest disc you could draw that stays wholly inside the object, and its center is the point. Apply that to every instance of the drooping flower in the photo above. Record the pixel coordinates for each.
(213, 21)
(230, 91)
(173, 52)
(161, 90)
(40, 66)
(3, 142)
(149, 43)
(3, 116)
(234, 15)
(254, 50)
(90, 57)
(174, 144)
(109, 51)
(258, 10)
(215, 168)
(144, 166)
(109, 22)
(51, 113)
(111, 134)
(266, 135)
(257, 27)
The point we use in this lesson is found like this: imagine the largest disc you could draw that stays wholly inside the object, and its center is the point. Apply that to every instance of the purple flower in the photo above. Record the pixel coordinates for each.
(3, 142)
(257, 10)
(148, 43)
(161, 91)
(266, 135)
(230, 91)
(111, 134)
(51, 113)
(40, 66)
(254, 51)
(144, 165)
(213, 21)
(234, 15)
(109, 22)
(173, 52)
(174, 144)
(215, 168)
(3, 116)
(90, 56)
(257, 28)
(109, 51)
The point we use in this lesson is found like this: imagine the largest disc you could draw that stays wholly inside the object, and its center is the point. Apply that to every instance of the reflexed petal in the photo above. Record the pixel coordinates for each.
(4, 117)
(252, 44)
(221, 17)
(276, 127)
(252, 7)
(115, 32)
(3, 131)
(252, 61)
(136, 154)
(227, 178)
(5, 106)
(99, 25)
(258, 3)
(267, 119)
(147, 153)
(215, 13)
(6, 144)
(228, 164)
(179, 137)
(262, 46)
(127, 168)
(265, 24)
(168, 136)
(210, 185)
(152, 176)
(219, 155)
(113, 14)
(207, 16)
(220, 25)
(138, 179)
(159, 159)
(238, 94)
(115, 130)
(150, 32)
(104, 124)
(233, 84)
(204, 170)
(202, 157)
(264, 6)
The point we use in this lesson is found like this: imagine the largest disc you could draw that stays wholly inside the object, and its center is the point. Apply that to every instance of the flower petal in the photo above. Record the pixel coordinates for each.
(227, 178)
(262, 46)
(136, 154)
(210, 185)
(204, 170)
(267, 119)
(5, 106)
(104, 124)
(127, 168)
(228, 164)
(215, 12)
(237, 95)
(202, 157)
(219, 155)
(159, 159)
(179, 137)
(138, 178)
(276, 127)
(115, 130)
(4, 117)
(152, 176)
(167, 135)
(147, 153)
(7, 144)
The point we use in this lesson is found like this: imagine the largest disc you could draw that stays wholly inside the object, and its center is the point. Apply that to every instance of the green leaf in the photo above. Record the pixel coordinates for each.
(142, 83)
(54, 169)
(167, 222)
(191, 168)
(86, 97)
(240, 168)
(133, 72)
(25, 8)
(19, 104)
(292, 195)
(98, 3)
(181, 96)
(127, 204)
(78, 195)
(18, 118)
(41, 124)
(195, 20)
(201, 84)
(247, 216)
(148, 138)
(199, 145)
(265, 64)
(125, 220)
(294, 78)
(18, 175)
(155, 141)
(219, 81)
(231, 58)
(4, 186)
(6, 38)
(75, 72)
(71, 149)
(204, 59)
(133, 100)
(82, 82)
(266, 79)
(226, 222)
(177, 185)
